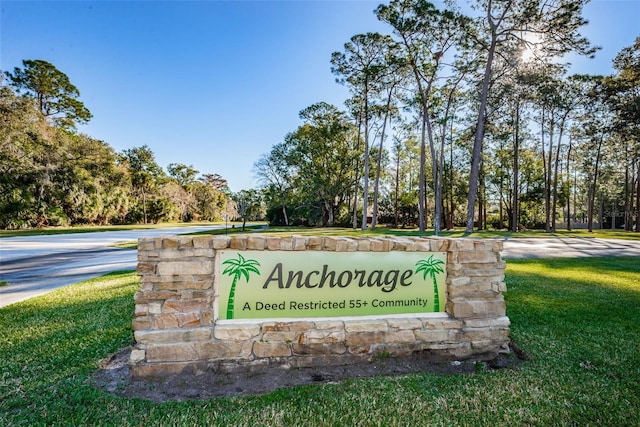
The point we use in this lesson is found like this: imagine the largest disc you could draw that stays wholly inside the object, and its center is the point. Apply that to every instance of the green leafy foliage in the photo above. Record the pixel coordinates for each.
(318, 160)
(543, 146)
(52, 176)
(54, 94)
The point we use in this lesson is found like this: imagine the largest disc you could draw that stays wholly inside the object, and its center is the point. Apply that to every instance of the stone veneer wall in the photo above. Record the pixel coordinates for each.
(176, 330)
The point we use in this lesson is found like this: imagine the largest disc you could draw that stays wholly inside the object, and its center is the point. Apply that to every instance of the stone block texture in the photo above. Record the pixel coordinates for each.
(176, 329)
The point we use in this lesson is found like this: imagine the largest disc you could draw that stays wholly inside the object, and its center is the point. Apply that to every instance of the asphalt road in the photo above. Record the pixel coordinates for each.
(35, 265)
(569, 247)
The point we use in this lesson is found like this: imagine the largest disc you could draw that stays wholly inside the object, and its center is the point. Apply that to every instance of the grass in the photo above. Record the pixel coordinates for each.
(578, 320)
(334, 231)
(491, 234)
(89, 229)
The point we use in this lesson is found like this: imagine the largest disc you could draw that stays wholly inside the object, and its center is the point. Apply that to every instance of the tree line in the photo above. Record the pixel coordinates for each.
(473, 121)
(51, 175)
(452, 120)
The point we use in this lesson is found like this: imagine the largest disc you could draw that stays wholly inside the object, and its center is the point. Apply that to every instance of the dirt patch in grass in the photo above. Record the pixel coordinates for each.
(113, 376)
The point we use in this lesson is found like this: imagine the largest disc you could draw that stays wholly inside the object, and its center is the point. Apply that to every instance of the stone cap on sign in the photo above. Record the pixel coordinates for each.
(260, 242)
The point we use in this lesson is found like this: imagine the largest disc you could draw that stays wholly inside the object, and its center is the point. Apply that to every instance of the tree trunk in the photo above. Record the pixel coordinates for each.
(590, 206)
(614, 213)
(575, 194)
(426, 123)
(422, 186)
(482, 208)
(435, 171)
(328, 206)
(592, 189)
(144, 206)
(601, 213)
(479, 136)
(450, 223)
(516, 172)
(439, 182)
(357, 179)
(547, 175)
(397, 190)
(568, 180)
(555, 177)
(638, 198)
(365, 197)
(626, 196)
(376, 188)
(501, 207)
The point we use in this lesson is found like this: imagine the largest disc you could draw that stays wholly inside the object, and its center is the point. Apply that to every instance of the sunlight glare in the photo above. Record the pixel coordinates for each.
(531, 45)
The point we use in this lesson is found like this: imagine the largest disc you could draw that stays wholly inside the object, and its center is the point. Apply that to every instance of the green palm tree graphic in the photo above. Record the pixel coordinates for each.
(432, 267)
(237, 268)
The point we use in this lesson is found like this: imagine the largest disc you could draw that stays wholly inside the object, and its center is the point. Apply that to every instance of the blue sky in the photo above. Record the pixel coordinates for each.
(215, 84)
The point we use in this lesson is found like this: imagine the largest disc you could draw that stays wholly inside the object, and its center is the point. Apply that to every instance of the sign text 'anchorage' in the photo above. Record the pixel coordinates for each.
(387, 281)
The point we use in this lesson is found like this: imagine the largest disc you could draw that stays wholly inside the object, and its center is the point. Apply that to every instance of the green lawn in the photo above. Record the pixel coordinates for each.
(336, 231)
(577, 319)
(88, 229)
(484, 234)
